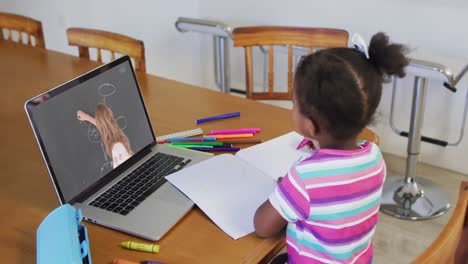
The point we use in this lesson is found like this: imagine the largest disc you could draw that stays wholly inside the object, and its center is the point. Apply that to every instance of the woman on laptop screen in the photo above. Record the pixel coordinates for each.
(116, 143)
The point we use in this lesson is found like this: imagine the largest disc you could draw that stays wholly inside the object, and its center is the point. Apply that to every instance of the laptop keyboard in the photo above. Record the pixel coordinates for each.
(134, 188)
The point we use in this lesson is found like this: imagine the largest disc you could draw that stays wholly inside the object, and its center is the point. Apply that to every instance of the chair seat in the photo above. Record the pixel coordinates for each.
(369, 135)
(451, 246)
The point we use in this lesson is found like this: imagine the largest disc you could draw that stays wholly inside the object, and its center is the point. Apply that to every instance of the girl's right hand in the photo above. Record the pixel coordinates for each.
(80, 115)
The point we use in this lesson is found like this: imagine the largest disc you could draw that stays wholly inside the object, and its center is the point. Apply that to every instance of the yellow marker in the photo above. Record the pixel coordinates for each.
(153, 248)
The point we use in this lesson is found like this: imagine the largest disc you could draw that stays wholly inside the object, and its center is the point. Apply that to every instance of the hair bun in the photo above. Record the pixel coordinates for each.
(389, 58)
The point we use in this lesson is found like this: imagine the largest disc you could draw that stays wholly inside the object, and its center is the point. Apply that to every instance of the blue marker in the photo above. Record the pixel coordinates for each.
(202, 120)
(200, 139)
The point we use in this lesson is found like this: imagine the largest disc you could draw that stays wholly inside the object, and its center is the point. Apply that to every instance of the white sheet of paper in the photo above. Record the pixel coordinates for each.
(227, 189)
(275, 156)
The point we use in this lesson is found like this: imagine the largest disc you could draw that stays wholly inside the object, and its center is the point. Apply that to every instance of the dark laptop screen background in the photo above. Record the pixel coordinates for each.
(76, 152)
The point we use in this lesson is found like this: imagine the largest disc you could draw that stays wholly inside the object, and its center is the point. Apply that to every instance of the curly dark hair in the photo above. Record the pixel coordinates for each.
(339, 89)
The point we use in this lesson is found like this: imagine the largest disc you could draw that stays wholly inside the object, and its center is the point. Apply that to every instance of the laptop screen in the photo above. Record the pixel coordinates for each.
(91, 125)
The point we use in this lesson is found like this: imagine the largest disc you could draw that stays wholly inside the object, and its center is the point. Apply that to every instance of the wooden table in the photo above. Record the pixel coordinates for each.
(26, 191)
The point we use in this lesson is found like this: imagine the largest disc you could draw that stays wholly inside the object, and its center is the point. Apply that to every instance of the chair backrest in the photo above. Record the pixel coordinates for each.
(91, 38)
(310, 38)
(24, 26)
(451, 246)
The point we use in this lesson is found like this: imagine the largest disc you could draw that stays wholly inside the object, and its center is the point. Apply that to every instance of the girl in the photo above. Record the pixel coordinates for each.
(330, 200)
(115, 141)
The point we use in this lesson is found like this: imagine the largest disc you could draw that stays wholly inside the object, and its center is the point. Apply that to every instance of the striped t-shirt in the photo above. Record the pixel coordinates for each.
(331, 201)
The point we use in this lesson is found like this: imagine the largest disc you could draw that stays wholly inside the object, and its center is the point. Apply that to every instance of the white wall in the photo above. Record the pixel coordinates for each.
(152, 21)
(434, 30)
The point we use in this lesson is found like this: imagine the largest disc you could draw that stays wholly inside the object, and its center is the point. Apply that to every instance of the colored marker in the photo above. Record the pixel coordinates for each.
(235, 131)
(230, 133)
(247, 141)
(192, 146)
(212, 118)
(166, 141)
(153, 248)
(205, 143)
(215, 149)
(203, 152)
(150, 262)
(197, 139)
(303, 143)
(233, 136)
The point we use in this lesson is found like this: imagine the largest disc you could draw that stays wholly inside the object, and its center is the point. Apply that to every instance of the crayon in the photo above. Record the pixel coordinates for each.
(153, 248)
(123, 261)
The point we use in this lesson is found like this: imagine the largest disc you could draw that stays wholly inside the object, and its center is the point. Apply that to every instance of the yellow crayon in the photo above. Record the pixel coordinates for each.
(153, 248)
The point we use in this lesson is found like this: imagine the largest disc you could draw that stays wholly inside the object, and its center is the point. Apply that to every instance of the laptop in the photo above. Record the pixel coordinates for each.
(98, 144)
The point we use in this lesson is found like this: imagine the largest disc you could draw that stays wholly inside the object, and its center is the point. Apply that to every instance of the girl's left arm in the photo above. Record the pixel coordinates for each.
(267, 221)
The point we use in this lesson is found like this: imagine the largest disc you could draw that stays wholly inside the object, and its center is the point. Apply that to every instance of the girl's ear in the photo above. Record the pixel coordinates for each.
(311, 127)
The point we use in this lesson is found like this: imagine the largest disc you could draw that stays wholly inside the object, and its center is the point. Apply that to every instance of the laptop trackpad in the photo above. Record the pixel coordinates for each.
(159, 212)
(168, 194)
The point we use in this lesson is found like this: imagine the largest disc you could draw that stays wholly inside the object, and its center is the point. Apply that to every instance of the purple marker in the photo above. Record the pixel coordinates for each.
(216, 149)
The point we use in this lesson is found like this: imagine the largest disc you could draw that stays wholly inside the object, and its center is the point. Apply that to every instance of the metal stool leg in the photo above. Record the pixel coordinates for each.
(404, 197)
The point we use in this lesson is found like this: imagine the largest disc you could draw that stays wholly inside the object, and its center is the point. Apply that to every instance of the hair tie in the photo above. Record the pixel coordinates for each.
(360, 45)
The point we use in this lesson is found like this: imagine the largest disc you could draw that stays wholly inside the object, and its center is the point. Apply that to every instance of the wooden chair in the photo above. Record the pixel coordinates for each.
(310, 38)
(91, 38)
(290, 37)
(24, 26)
(451, 246)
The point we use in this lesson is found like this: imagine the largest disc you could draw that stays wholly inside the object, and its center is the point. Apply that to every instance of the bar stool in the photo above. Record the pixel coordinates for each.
(405, 197)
